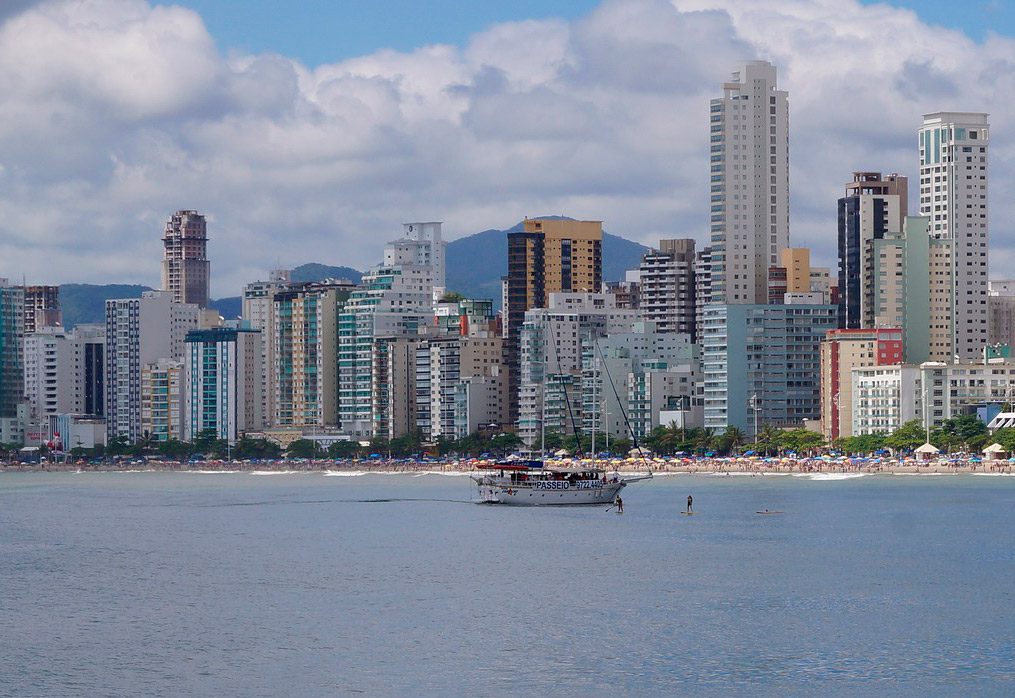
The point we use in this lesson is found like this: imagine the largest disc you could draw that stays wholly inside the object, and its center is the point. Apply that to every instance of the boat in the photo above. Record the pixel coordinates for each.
(527, 481)
(531, 483)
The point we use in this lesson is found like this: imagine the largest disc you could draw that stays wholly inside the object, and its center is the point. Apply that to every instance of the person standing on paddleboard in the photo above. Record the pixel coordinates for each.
(619, 504)
(690, 500)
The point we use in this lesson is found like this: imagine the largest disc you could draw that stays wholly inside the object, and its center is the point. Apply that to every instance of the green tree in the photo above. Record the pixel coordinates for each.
(1005, 437)
(304, 448)
(731, 440)
(118, 445)
(801, 440)
(907, 437)
(970, 431)
(247, 448)
(341, 450)
(621, 446)
(174, 449)
(505, 443)
(204, 441)
(406, 445)
(768, 440)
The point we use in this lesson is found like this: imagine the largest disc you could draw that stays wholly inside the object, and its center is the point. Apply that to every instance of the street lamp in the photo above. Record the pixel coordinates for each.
(753, 403)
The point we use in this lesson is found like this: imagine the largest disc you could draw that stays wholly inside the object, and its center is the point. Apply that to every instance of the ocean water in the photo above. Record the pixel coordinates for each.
(168, 584)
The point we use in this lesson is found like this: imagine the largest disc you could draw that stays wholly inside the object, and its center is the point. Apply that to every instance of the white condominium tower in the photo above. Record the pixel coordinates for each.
(953, 195)
(749, 184)
(424, 241)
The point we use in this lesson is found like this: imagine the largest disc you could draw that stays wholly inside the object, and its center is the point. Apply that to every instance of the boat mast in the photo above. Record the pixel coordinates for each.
(542, 400)
(595, 405)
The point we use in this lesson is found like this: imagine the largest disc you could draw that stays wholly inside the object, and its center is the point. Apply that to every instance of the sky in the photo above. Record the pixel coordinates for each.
(310, 131)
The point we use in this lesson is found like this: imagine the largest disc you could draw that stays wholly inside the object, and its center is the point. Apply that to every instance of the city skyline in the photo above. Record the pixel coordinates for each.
(285, 159)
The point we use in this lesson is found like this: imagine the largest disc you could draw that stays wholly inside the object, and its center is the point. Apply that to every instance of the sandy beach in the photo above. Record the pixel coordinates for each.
(718, 466)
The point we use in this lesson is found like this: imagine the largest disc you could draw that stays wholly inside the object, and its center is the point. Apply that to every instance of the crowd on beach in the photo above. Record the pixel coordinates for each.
(702, 465)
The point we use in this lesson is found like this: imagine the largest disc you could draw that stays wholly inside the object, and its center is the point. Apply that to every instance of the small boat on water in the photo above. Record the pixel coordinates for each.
(529, 483)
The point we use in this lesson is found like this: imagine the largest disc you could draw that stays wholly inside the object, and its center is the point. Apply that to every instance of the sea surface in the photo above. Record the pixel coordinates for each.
(239, 584)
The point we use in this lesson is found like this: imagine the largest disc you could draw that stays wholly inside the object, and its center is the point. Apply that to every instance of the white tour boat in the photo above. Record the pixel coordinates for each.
(528, 483)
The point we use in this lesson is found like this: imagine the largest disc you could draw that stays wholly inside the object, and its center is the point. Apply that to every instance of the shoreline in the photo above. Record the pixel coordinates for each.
(694, 467)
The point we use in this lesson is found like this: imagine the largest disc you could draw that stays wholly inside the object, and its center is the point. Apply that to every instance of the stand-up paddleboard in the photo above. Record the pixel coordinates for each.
(688, 513)
(767, 512)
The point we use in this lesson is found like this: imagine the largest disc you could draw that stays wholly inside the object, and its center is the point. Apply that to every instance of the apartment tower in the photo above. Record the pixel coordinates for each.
(873, 207)
(549, 255)
(186, 271)
(749, 190)
(667, 293)
(953, 195)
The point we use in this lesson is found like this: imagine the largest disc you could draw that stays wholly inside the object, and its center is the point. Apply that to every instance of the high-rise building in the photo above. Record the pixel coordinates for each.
(161, 400)
(140, 332)
(258, 311)
(12, 311)
(222, 382)
(873, 207)
(749, 197)
(42, 307)
(430, 251)
(908, 286)
(667, 292)
(1002, 312)
(842, 351)
(186, 271)
(442, 363)
(394, 385)
(89, 357)
(552, 343)
(549, 255)
(63, 374)
(395, 299)
(953, 195)
(640, 379)
(702, 287)
(49, 373)
(306, 356)
(794, 280)
(762, 364)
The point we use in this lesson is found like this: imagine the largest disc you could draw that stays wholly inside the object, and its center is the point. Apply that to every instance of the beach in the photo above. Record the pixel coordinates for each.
(676, 465)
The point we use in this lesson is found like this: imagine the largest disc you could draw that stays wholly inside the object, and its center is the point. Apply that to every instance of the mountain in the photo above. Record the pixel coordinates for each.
(476, 263)
(86, 303)
(320, 272)
(229, 308)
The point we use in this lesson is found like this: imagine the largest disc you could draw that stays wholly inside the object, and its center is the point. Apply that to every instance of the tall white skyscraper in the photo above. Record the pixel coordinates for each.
(423, 240)
(749, 128)
(953, 195)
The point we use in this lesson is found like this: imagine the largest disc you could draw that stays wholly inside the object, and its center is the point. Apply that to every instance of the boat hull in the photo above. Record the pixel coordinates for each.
(514, 495)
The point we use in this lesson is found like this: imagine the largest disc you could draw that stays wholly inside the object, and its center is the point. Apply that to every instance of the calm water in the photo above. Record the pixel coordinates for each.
(242, 584)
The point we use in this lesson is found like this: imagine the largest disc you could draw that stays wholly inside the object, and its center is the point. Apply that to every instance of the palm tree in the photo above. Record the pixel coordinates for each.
(767, 439)
(705, 441)
(732, 438)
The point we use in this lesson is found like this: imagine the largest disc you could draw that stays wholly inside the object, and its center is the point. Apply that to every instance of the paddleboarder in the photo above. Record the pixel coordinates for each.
(690, 501)
(619, 504)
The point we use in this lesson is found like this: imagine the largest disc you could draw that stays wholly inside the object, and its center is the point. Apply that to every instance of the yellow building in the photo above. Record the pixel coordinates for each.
(549, 255)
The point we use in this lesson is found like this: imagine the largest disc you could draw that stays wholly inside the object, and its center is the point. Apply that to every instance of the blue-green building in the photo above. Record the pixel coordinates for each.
(763, 357)
(222, 387)
(12, 300)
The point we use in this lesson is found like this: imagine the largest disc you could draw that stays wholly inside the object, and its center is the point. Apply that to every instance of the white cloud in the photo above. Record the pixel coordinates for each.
(117, 113)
